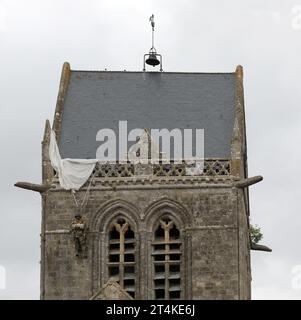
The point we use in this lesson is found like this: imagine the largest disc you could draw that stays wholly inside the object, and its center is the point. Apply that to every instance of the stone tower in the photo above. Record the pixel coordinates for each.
(151, 230)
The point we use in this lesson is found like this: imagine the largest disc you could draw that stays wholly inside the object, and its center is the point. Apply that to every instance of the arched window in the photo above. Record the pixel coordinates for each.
(166, 253)
(121, 255)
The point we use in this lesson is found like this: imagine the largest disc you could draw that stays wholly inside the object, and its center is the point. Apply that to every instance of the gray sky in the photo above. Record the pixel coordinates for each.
(36, 37)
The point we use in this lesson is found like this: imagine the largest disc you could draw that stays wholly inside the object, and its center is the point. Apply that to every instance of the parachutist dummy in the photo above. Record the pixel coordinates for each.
(78, 229)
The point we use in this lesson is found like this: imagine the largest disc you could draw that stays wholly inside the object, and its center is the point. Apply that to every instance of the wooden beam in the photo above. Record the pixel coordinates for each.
(248, 182)
(33, 187)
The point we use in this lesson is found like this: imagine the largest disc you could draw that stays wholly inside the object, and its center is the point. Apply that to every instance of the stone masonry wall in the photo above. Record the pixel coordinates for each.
(214, 229)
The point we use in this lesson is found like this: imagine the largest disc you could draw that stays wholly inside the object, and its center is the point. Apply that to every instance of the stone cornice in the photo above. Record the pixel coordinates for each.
(152, 182)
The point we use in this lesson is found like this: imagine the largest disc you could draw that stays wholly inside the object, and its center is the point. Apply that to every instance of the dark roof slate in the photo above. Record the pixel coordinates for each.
(99, 99)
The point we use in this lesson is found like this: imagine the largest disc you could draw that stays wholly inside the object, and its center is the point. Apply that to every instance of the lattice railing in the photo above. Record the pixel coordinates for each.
(114, 170)
(169, 169)
(218, 167)
(212, 167)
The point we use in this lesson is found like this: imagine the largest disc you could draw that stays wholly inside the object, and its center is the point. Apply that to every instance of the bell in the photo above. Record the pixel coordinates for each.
(152, 60)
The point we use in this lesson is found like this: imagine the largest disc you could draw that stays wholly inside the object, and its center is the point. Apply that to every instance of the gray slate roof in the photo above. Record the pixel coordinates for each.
(99, 99)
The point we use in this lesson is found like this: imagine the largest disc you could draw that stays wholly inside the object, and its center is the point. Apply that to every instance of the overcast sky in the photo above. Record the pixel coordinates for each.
(36, 37)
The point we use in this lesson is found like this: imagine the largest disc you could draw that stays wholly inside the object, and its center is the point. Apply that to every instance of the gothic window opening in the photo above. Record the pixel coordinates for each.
(121, 255)
(167, 260)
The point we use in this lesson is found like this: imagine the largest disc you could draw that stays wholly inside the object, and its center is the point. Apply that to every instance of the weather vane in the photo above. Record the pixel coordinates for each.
(152, 20)
(151, 58)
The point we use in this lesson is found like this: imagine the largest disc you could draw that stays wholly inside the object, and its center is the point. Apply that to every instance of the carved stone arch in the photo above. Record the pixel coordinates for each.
(167, 206)
(99, 227)
(109, 210)
(176, 212)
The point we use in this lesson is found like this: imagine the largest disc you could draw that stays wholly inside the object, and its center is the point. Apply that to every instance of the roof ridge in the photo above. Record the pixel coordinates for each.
(155, 72)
